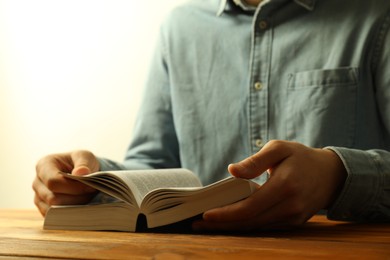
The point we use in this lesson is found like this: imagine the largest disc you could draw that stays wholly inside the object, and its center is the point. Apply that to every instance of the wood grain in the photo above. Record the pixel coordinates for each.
(22, 236)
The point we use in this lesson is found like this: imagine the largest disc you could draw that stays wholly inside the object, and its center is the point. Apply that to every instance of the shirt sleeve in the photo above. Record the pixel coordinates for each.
(154, 143)
(366, 193)
(109, 165)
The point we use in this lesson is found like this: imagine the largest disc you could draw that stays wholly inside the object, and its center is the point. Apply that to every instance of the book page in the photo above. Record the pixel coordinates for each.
(143, 181)
(166, 197)
(108, 183)
(132, 185)
(122, 216)
(164, 207)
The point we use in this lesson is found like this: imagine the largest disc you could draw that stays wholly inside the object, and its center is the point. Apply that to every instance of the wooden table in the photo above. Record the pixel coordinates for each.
(22, 236)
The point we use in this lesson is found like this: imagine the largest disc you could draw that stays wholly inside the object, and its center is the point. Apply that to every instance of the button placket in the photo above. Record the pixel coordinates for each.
(258, 85)
(259, 143)
(258, 100)
(263, 24)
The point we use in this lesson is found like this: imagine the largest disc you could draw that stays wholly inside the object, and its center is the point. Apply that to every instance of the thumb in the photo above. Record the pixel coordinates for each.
(268, 157)
(84, 163)
(81, 170)
(246, 169)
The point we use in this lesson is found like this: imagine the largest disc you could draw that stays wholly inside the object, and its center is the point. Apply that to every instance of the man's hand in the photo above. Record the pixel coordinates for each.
(51, 188)
(302, 181)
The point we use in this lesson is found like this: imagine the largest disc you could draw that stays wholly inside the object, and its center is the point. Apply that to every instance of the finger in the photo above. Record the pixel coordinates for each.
(84, 162)
(270, 155)
(42, 206)
(281, 216)
(50, 180)
(44, 202)
(44, 198)
(266, 197)
(78, 162)
(261, 222)
(54, 198)
(248, 225)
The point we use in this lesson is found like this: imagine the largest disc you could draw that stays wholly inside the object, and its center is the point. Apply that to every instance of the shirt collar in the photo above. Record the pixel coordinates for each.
(225, 5)
(308, 4)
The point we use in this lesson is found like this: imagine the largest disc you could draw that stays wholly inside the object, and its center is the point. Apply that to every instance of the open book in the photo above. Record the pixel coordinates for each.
(163, 196)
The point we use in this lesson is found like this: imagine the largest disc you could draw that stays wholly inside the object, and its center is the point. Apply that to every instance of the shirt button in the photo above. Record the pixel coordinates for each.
(258, 85)
(259, 143)
(263, 25)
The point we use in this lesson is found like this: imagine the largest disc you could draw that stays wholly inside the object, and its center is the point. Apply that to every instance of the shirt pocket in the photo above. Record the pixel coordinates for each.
(321, 107)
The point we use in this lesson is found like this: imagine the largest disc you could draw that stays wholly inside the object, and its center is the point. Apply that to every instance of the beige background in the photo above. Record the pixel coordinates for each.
(71, 76)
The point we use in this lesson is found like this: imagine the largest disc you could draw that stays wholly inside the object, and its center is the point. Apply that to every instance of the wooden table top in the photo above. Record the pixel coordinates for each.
(22, 236)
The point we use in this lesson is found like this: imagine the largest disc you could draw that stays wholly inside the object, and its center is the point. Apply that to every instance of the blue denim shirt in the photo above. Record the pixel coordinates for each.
(224, 81)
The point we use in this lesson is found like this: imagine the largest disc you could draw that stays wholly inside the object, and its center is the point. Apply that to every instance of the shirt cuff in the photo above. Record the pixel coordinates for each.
(361, 187)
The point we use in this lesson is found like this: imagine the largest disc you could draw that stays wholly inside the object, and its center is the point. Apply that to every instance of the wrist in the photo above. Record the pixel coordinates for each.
(338, 175)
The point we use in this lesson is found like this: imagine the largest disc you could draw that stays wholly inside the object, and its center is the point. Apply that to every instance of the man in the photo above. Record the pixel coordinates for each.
(299, 89)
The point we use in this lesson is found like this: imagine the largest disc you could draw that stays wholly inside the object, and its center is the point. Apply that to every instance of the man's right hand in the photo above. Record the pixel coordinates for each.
(51, 188)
